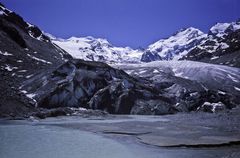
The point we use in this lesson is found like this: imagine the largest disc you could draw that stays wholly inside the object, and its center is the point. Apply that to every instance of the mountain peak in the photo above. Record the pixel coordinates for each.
(178, 44)
(220, 29)
(187, 31)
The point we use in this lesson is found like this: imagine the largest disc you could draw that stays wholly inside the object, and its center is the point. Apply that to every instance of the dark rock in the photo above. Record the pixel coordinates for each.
(150, 56)
(13, 34)
(115, 98)
(152, 107)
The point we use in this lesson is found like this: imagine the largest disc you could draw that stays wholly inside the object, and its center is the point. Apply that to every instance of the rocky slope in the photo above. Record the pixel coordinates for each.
(24, 52)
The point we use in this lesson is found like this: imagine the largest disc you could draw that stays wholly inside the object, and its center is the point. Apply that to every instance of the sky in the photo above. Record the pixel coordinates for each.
(134, 23)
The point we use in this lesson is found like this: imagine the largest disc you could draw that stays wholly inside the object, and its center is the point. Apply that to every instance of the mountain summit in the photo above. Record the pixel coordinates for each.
(176, 46)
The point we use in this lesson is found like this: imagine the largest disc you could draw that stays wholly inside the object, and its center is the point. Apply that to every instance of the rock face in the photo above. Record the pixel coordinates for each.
(150, 56)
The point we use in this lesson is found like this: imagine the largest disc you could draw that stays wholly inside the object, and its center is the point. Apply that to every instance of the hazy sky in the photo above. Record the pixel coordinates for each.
(124, 22)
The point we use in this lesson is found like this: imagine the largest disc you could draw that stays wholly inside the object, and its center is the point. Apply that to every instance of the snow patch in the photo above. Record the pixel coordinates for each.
(214, 106)
(2, 12)
(180, 74)
(38, 59)
(10, 68)
(236, 88)
(23, 91)
(236, 26)
(29, 76)
(214, 57)
(176, 73)
(6, 54)
(30, 96)
(22, 71)
(224, 45)
(221, 92)
(142, 71)
(233, 78)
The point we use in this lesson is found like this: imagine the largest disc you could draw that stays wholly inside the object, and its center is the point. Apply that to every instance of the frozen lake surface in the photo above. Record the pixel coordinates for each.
(27, 141)
(114, 137)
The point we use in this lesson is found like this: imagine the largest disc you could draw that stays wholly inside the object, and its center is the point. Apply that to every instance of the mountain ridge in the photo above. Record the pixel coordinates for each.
(178, 46)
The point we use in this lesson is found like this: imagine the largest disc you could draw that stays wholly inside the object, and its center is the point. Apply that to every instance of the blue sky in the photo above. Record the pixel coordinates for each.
(131, 23)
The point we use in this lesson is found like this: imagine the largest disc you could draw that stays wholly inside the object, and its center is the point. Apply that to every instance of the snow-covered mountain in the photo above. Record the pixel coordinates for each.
(222, 45)
(174, 47)
(98, 49)
(189, 44)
